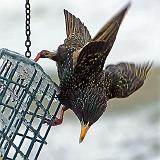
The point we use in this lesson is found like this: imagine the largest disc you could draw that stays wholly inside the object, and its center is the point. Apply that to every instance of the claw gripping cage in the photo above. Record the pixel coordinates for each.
(27, 98)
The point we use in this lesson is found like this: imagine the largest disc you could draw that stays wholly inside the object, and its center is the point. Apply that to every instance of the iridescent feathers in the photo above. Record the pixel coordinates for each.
(92, 56)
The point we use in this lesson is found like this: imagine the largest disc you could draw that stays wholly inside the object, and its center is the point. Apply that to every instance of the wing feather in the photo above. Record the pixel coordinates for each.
(110, 29)
(94, 54)
(77, 33)
(125, 78)
(87, 64)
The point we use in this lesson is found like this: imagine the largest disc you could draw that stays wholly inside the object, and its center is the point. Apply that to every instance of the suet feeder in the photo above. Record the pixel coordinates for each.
(27, 95)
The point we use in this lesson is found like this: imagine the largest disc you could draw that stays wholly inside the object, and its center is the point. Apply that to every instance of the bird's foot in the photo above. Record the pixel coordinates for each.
(39, 55)
(46, 54)
(55, 122)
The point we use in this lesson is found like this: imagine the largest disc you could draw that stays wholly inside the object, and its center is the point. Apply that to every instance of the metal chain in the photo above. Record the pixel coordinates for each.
(28, 31)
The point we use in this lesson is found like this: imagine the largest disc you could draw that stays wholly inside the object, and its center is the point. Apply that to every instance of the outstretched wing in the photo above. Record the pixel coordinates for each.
(92, 57)
(125, 78)
(110, 29)
(77, 34)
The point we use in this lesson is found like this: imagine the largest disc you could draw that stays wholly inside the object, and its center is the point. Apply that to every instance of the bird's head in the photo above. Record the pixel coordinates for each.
(46, 54)
(89, 106)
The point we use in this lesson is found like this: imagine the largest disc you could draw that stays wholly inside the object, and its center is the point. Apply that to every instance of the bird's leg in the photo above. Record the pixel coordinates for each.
(46, 54)
(39, 55)
(57, 121)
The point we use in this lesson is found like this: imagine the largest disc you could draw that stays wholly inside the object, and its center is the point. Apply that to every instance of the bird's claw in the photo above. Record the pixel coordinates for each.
(55, 122)
(39, 55)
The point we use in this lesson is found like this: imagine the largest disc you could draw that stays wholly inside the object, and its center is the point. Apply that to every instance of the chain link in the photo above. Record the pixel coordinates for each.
(28, 31)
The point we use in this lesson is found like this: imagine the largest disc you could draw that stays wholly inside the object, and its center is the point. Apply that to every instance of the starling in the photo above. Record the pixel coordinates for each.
(85, 87)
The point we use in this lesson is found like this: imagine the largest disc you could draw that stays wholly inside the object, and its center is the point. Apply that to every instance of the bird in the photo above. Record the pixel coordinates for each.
(85, 84)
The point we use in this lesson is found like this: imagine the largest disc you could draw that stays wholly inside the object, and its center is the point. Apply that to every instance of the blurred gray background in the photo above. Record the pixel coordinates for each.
(130, 129)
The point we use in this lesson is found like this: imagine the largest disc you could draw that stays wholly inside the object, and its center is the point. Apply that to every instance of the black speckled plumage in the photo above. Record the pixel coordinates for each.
(84, 86)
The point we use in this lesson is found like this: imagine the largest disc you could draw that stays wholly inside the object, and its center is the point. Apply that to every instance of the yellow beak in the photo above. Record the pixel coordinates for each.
(84, 129)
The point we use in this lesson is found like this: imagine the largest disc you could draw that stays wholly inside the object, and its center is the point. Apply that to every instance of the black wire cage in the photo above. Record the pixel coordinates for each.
(27, 98)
